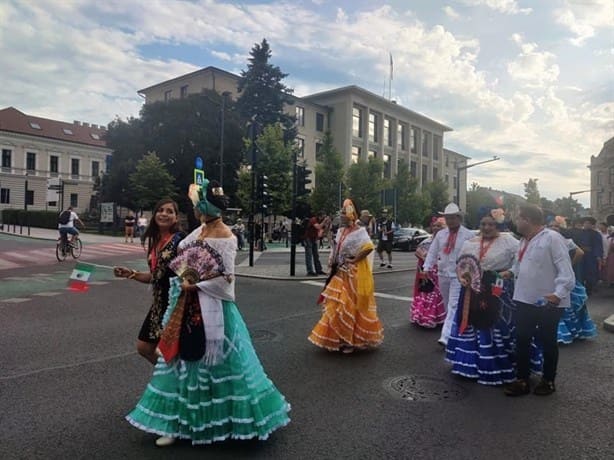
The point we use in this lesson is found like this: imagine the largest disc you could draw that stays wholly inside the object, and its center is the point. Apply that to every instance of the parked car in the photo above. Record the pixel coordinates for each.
(408, 238)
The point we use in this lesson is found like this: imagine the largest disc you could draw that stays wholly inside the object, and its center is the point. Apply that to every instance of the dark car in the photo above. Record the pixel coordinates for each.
(408, 238)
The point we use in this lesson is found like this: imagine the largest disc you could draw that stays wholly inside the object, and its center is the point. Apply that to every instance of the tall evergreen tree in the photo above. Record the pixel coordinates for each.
(328, 178)
(262, 93)
(531, 192)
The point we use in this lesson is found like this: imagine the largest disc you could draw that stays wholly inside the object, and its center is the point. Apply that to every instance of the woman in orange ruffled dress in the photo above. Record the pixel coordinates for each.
(349, 320)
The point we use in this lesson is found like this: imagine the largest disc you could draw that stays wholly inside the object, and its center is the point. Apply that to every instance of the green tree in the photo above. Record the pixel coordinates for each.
(262, 93)
(438, 192)
(364, 184)
(410, 204)
(531, 192)
(151, 182)
(568, 207)
(328, 177)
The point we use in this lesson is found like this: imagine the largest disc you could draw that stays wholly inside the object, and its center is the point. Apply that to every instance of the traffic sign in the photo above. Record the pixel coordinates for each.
(198, 163)
(199, 176)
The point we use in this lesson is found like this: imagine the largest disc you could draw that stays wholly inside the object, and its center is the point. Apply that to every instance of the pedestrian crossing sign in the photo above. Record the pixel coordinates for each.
(199, 176)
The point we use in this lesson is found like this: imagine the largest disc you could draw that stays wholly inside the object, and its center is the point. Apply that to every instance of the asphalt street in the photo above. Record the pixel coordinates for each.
(69, 374)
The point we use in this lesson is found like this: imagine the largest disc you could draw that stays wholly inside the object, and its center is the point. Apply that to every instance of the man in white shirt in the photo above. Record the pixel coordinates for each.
(443, 253)
(544, 280)
(69, 227)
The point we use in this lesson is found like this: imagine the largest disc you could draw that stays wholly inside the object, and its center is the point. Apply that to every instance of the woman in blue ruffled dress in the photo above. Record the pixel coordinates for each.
(208, 385)
(481, 344)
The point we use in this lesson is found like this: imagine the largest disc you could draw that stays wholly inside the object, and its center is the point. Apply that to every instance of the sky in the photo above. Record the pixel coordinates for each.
(528, 81)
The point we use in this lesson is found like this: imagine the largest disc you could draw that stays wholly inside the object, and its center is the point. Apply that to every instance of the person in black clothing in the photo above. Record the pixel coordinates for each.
(384, 237)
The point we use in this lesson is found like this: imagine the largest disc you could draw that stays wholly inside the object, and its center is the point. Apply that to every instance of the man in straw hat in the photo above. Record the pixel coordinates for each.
(443, 252)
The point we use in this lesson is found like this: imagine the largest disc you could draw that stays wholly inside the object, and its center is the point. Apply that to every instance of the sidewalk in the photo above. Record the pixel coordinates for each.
(274, 263)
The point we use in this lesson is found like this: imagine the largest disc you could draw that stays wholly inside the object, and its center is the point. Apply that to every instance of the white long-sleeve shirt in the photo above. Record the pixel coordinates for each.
(545, 269)
(446, 263)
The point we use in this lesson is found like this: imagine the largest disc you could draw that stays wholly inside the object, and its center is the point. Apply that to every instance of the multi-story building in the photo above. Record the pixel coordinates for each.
(362, 124)
(602, 183)
(49, 164)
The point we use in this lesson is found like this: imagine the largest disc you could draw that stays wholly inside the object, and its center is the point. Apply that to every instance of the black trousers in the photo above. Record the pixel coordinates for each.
(542, 323)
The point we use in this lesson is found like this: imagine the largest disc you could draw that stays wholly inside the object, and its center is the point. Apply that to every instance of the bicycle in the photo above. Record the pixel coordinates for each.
(64, 247)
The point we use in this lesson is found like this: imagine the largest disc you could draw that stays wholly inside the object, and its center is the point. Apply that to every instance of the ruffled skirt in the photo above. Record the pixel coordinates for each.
(427, 308)
(576, 322)
(234, 399)
(342, 324)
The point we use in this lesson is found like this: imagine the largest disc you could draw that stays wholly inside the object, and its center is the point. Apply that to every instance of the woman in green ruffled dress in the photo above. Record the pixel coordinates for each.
(208, 384)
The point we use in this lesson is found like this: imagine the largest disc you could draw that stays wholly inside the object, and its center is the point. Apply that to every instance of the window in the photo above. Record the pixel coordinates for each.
(300, 116)
(167, 95)
(436, 147)
(6, 158)
(372, 154)
(611, 174)
(424, 175)
(355, 154)
(413, 140)
(30, 161)
(435, 173)
(29, 197)
(74, 167)
(74, 200)
(387, 168)
(300, 145)
(387, 132)
(68, 131)
(95, 169)
(413, 168)
(5, 195)
(599, 199)
(454, 182)
(95, 136)
(425, 143)
(447, 179)
(319, 122)
(53, 165)
(357, 122)
(402, 136)
(183, 92)
(373, 137)
(35, 125)
(319, 151)
(447, 160)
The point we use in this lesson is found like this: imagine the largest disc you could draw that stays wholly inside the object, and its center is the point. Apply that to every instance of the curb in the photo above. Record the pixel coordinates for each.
(608, 323)
(308, 278)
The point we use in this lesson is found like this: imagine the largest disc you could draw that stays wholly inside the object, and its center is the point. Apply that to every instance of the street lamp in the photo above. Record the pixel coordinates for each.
(225, 94)
(571, 194)
(462, 168)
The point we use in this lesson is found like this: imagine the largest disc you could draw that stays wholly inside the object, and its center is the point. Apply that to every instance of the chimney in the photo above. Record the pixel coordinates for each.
(86, 125)
(393, 101)
(77, 123)
(94, 126)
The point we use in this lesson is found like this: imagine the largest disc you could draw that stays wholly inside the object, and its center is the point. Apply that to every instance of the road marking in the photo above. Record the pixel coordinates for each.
(377, 294)
(6, 264)
(14, 300)
(47, 294)
(97, 283)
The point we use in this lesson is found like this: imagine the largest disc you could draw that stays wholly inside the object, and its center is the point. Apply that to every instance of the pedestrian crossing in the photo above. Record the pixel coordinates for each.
(46, 256)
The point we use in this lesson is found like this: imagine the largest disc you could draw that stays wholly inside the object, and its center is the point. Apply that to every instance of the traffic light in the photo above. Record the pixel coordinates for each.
(302, 180)
(263, 194)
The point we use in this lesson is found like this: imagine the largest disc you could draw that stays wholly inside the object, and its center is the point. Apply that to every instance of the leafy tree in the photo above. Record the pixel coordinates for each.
(568, 207)
(531, 192)
(410, 204)
(328, 177)
(262, 93)
(151, 182)
(545, 203)
(438, 191)
(364, 182)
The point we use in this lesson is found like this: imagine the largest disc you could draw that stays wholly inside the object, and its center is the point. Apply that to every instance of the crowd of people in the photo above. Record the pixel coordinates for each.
(504, 303)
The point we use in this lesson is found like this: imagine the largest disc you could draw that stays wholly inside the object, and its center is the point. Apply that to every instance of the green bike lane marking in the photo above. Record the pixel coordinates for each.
(46, 284)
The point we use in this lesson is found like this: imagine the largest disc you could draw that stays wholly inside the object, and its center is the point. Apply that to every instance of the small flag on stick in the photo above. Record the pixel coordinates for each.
(79, 277)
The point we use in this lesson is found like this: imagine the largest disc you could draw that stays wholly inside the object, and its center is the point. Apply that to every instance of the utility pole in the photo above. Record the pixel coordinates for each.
(293, 228)
(462, 168)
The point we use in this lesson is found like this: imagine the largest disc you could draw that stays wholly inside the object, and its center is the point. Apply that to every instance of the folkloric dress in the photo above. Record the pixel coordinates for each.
(218, 391)
(350, 313)
(427, 308)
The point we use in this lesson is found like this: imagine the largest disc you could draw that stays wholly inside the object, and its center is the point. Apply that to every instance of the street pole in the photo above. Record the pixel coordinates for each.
(252, 233)
(293, 235)
(223, 109)
(463, 168)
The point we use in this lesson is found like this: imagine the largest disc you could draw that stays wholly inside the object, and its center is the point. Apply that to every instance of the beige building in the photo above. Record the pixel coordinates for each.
(602, 183)
(40, 156)
(362, 124)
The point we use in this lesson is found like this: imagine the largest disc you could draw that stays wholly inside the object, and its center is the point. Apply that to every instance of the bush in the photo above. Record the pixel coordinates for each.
(42, 219)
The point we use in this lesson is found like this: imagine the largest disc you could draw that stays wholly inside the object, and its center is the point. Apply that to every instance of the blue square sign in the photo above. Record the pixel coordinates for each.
(199, 176)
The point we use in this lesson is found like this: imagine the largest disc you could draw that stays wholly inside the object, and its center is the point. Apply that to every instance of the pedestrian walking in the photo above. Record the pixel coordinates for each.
(349, 320)
(209, 384)
(163, 236)
(310, 241)
(385, 233)
(129, 224)
(544, 280)
(443, 253)
(141, 225)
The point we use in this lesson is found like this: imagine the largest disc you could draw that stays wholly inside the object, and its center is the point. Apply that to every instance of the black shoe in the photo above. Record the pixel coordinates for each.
(389, 266)
(544, 388)
(321, 273)
(312, 274)
(518, 388)
(382, 265)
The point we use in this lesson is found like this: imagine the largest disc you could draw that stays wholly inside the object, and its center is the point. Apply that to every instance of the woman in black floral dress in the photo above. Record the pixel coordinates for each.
(163, 237)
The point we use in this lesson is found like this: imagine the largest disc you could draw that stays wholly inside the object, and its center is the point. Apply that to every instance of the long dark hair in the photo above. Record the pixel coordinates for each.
(152, 233)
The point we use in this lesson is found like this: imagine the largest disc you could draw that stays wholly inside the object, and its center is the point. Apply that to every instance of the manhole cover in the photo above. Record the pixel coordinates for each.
(262, 335)
(426, 389)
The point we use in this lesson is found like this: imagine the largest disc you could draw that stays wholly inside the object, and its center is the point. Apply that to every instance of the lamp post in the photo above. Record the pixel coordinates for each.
(462, 168)
(225, 94)
(571, 194)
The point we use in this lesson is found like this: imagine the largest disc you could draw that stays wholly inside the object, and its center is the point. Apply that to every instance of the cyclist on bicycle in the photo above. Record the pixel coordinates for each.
(66, 224)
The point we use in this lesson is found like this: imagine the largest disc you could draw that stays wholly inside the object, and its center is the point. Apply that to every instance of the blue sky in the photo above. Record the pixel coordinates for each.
(528, 81)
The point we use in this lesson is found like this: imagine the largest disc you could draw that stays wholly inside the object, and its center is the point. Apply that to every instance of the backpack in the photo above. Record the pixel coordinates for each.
(64, 218)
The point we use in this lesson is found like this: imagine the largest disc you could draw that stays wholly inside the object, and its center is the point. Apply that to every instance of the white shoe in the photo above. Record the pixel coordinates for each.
(165, 441)
(442, 342)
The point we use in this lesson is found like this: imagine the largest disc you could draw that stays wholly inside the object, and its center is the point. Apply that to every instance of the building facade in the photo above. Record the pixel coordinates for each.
(49, 164)
(602, 184)
(362, 124)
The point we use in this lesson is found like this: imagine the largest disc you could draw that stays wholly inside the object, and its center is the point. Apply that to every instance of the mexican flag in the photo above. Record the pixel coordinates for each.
(79, 277)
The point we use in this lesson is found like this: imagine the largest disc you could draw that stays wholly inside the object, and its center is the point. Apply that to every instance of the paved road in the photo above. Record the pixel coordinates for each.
(69, 374)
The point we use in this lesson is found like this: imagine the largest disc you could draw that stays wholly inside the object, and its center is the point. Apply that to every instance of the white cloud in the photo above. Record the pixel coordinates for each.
(451, 12)
(532, 67)
(584, 18)
(502, 6)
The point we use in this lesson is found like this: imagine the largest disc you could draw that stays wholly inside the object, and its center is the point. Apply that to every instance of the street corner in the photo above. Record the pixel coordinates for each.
(608, 323)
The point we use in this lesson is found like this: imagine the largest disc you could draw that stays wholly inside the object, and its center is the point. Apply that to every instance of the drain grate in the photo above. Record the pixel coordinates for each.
(262, 335)
(423, 389)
